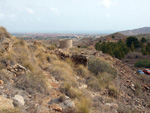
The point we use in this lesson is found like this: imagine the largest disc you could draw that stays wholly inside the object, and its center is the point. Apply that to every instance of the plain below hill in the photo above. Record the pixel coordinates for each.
(144, 30)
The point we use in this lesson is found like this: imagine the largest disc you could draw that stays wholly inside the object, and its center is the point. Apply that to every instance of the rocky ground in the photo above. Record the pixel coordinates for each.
(38, 79)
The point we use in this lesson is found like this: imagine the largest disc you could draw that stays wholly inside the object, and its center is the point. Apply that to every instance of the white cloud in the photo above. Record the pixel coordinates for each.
(55, 11)
(30, 11)
(105, 3)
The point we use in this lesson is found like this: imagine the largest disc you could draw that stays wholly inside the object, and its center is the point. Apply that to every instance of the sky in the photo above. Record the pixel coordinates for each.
(73, 16)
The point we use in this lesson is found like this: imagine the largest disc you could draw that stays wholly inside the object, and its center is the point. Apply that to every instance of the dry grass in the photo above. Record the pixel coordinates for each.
(4, 33)
(83, 71)
(100, 82)
(5, 76)
(138, 89)
(63, 71)
(83, 105)
(2, 63)
(72, 92)
(33, 82)
(112, 91)
(15, 110)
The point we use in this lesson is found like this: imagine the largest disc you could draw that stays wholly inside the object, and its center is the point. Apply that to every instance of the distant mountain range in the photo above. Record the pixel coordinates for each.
(144, 30)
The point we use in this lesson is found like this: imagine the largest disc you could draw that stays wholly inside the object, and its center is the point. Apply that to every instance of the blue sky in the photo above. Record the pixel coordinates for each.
(74, 16)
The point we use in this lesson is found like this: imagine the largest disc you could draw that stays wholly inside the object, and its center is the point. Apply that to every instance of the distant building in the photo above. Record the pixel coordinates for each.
(65, 43)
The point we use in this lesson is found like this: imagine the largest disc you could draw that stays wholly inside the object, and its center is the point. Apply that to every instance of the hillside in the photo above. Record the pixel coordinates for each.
(40, 78)
(113, 37)
(144, 30)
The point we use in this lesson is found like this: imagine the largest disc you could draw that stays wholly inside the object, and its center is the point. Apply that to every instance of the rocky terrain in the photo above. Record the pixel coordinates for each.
(144, 30)
(38, 78)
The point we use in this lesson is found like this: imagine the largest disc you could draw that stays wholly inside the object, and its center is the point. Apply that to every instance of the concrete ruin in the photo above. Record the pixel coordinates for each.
(65, 43)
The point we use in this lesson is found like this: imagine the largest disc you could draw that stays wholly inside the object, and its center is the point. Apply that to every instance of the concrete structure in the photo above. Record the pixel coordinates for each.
(65, 43)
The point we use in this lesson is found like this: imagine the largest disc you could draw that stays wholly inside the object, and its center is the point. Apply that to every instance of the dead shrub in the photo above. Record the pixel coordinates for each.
(138, 89)
(71, 91)
(3, 63)
(33, 82)
(101, 81)
(112, 91)
(5, 76)
(93, 84)
(83, 71)
(62, 71)
(52, 57)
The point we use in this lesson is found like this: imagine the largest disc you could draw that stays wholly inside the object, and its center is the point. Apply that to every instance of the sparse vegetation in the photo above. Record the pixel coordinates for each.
(15, 110)
(83, 105)
(138, 89)
(142, 63)
(83, 71)
(99, 66)
(33, 82)
(112, 91)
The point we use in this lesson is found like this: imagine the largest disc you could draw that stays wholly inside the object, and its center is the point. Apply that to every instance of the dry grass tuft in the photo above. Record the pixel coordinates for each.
(83, 71)
(83, 105)
(100, 82)
(33, 82)
(4, 33)
(70, 91)
(112, 91)
(15, 110)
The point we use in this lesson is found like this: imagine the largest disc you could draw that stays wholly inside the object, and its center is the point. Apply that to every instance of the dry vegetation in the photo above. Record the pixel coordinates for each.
(98, 77)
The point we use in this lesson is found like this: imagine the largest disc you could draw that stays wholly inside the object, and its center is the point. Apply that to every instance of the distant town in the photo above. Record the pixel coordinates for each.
(47, 36)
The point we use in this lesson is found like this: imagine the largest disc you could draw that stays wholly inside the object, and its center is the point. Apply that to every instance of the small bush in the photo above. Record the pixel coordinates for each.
(99, 66)
(100, 82)
(2, 63)
(83, 71)
(93, 84)
(63, 71)
(33, 82)
(142, 63)
(112, 91)
(5, 75)
(70, 91)
(83, 105)
(138, 89)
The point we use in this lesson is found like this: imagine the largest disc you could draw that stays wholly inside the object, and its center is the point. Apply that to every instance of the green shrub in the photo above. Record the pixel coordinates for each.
(99, 66)
(142, 63)
(115, 49)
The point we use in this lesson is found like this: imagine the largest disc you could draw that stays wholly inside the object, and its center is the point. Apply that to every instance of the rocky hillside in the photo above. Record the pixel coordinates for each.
(144, 30)
(113, 37)
(38, 78)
